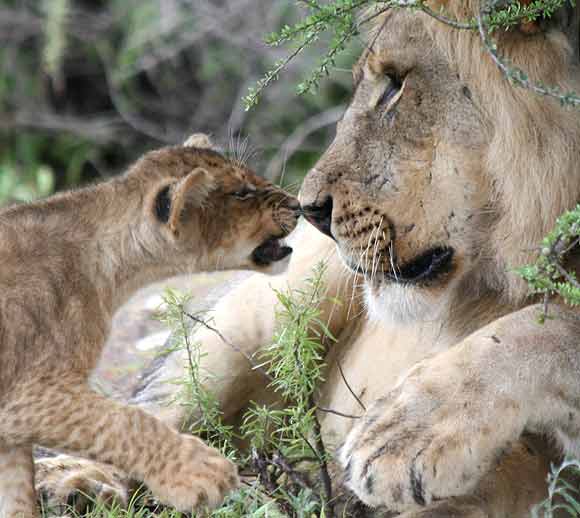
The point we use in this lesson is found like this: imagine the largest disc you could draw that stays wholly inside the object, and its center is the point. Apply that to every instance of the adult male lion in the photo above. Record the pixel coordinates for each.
(441, 179)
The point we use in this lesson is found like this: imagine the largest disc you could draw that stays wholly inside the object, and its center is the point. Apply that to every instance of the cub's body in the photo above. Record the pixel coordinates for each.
(68, 263)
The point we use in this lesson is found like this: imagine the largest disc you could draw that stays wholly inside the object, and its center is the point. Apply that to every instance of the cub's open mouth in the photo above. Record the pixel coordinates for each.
(270, 251)
(422, 269)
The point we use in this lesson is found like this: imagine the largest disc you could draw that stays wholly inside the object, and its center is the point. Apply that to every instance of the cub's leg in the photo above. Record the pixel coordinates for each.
(180, 470)
(65, 481)
(17, 496)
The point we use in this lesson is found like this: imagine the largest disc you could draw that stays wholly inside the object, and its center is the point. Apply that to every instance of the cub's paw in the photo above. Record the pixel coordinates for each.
(194, 476)
(434, 436)
(65, 482)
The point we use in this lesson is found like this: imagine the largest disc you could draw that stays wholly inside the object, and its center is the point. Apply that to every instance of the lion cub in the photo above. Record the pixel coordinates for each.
(68, 262)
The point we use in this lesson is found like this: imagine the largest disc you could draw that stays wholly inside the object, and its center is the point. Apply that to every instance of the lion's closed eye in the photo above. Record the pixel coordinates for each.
(392, 90)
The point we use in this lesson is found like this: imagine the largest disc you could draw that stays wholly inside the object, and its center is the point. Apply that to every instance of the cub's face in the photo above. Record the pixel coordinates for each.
(211, 213)
(401, 189)
(246, 219)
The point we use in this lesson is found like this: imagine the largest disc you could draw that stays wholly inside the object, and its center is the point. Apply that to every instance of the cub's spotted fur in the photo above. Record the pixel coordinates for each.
(68, 262)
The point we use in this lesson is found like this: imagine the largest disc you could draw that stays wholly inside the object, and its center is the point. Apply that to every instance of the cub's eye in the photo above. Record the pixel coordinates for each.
(244, 193)
(392, 87)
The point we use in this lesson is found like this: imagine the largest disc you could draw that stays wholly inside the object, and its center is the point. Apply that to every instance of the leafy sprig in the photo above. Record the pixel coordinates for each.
(548, 275)
(339, 19)
(286, 459)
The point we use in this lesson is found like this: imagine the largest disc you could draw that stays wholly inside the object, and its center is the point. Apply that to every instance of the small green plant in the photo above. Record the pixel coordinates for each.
(285, 466)
(202, 405)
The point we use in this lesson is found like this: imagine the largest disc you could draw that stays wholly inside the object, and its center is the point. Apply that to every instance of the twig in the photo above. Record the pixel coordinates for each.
(336, 412)
(447, 21)
(252, 363)
(261, 463)
(514, 74)
(192, 367)
(358, 400)
(300, 479)
(324, 474)
(562, 271)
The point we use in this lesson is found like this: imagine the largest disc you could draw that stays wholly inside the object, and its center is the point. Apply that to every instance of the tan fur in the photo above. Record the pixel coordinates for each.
(460, 382)
(68, 262)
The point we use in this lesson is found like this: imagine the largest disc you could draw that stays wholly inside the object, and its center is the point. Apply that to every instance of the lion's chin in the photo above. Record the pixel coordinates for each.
(391, 303)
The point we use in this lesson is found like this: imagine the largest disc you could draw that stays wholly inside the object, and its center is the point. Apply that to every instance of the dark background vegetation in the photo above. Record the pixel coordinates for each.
(86, 86)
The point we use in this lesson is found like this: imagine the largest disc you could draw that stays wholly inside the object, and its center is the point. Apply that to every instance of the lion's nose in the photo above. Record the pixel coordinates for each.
(320, 215)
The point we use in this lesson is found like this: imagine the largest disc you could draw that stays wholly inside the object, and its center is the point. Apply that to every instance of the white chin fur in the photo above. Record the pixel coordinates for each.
(401, 304)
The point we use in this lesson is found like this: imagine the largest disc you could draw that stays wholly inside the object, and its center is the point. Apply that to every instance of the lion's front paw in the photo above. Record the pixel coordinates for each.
(63, 482)
(432, 437)
(196, 476)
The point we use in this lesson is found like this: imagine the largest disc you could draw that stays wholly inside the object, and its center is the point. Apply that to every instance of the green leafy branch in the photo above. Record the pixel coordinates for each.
(339, 19)
(548, 275)
(490, 17)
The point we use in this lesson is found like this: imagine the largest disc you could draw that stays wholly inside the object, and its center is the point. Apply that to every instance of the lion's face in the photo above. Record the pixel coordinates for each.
(401, 189)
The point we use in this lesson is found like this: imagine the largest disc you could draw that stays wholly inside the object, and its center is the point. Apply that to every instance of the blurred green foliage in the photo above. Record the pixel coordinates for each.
(86, 86)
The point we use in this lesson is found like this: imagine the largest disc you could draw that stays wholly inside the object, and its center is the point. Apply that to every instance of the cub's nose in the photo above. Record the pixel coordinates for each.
(320, 215)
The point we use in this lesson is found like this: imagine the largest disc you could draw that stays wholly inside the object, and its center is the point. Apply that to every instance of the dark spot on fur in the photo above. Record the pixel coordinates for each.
(347, 470)
(495, 339)
(529, 449)
(417, 485)
(397, 493)
(369, 484)
(202, 498)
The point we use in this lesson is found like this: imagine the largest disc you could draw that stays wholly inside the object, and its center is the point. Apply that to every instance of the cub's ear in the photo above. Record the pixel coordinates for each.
(172, 197)
(200, 140)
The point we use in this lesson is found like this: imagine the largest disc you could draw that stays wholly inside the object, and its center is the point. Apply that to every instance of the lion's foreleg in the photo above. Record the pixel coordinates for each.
(454, 416)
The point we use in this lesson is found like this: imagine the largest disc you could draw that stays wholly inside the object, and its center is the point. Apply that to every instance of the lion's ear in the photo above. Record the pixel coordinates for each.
(201, 141)
(174, 196)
